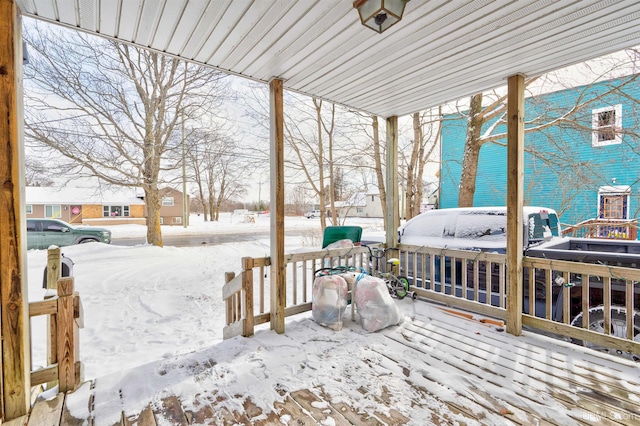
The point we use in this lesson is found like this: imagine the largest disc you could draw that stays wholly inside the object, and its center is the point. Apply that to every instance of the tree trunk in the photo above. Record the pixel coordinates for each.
(472, 147)
(413, 184)
(377, 155)
(332, 180)
(152, 201)
(323, 189)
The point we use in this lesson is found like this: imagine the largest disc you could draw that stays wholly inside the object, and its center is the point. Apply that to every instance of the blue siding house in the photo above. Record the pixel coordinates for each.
(584, 167)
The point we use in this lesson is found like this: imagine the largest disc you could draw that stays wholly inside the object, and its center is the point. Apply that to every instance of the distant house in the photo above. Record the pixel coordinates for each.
(172, 207)
(359, 205)
(584, 169)
(97, 206)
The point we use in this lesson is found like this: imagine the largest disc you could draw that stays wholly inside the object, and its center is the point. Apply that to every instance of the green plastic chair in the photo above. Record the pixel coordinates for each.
(337, 233)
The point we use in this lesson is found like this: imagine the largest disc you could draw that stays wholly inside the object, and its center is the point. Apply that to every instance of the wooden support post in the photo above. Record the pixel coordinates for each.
(247, 288)
(54, 272)
(515, 202)
(68, 333)
(54, 267)
(278, 266)
(393, 208)
(16, 368)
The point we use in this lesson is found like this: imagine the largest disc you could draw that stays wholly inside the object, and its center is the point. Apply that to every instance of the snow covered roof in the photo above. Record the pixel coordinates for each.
(81, 195)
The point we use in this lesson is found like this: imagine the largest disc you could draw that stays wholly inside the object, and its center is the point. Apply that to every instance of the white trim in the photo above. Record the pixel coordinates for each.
(617, 126)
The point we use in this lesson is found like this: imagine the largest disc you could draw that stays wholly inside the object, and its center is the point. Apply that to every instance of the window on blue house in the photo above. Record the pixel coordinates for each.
(606, 125)
(614, 203)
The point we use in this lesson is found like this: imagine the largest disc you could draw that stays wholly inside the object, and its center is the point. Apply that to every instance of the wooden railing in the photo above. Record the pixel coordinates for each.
(554, 294)
(246, 295)
(556, 300)
(618, 229)
(65, 318)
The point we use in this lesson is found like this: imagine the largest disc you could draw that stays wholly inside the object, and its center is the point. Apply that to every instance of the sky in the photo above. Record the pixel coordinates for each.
(153, 327)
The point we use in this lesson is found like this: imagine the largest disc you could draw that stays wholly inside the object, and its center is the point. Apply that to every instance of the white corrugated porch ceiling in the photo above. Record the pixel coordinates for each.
(440, 51)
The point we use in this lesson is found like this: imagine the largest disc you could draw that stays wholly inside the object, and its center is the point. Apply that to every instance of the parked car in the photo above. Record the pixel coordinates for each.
(312, 213)
(477, 228)
(42, 233)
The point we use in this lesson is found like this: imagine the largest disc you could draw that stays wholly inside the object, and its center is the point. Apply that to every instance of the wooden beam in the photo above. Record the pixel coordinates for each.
(393, 211)
(247, 286)
(515, 201)
(13, 287)
(278, 265)
(67, 336)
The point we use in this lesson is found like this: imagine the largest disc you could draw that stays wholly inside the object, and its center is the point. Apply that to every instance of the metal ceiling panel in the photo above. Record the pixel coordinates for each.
(108, 17)
(129, 19)
(440, 51)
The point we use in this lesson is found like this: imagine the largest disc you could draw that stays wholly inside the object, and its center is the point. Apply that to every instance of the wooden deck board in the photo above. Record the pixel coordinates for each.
(290, 409)
(525, 387)
(171, 412)
(456, 372)
(319, 409)
(145, 418)
(47, 412)
(546, 378)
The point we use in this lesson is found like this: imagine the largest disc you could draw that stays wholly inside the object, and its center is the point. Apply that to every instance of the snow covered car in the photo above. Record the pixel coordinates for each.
(481, 229)
(42, 233)
(312, 214)
(477, 228)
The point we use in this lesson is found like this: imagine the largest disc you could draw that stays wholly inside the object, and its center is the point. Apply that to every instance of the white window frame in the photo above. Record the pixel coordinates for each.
(107, 210)
(168, 201)
(624, 194)
(616, 127)
(177, 220)
(53, 211)
(29, 209)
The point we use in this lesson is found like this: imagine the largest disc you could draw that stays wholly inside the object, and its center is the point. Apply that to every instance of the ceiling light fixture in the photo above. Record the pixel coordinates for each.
(379, 15)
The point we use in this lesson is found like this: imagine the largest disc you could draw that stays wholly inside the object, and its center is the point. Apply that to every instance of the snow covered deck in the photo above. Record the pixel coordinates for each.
(436, 368)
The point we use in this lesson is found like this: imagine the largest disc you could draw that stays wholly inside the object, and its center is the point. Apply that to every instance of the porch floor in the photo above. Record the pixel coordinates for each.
(438, 368)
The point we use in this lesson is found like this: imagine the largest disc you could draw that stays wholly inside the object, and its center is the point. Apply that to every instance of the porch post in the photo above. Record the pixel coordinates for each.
(393, 212)
(278, 283)
(16, 368)
(515, 201)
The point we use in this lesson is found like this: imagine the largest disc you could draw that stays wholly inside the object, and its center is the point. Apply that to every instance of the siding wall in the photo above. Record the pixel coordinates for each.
(92, 214)
(563, 170)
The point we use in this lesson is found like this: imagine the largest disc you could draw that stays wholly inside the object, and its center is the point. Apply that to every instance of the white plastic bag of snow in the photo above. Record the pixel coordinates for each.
(329, 301)
(375, 305)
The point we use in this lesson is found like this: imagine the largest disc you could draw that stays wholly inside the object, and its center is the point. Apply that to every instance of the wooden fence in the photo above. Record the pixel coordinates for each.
(65, 318)
(595, 305)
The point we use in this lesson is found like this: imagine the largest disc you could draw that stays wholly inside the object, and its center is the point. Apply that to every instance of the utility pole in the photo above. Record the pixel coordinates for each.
(259, 195)
(185, 216)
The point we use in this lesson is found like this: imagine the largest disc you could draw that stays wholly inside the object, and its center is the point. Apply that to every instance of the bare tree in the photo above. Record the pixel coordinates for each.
(115, 108)
(313, 151)
(36, 173)
(486, 123)
(426, 131)
(216, 168)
